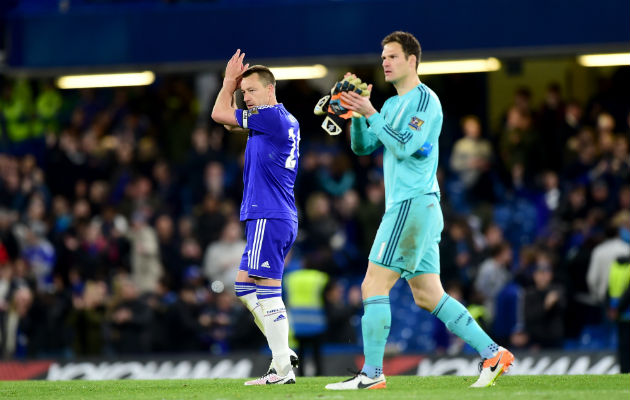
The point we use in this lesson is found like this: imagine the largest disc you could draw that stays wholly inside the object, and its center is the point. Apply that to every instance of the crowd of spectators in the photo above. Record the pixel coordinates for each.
(119, 230)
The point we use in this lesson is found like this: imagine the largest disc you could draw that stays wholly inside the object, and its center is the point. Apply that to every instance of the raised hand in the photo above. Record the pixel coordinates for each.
(358, 103)
(235, 68)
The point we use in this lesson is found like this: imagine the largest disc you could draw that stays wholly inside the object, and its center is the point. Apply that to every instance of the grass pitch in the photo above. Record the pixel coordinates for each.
(608, 387)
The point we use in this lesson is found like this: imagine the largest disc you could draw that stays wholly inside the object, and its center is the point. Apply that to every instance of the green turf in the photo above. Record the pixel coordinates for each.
(607, 387)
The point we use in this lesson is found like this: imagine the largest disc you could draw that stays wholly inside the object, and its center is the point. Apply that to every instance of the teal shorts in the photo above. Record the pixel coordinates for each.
(408, 237)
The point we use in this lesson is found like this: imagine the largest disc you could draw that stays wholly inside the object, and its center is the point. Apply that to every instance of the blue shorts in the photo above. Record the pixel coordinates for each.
(407, 238)
(268, 242)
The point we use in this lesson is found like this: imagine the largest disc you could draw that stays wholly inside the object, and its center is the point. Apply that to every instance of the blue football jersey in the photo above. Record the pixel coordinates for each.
(271, 162)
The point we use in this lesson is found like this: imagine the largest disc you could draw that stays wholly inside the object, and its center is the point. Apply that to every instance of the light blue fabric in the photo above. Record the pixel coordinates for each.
(459, 321)
(375, 325)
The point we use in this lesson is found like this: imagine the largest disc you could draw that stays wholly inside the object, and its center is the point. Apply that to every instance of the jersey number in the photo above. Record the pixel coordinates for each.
(295, 142)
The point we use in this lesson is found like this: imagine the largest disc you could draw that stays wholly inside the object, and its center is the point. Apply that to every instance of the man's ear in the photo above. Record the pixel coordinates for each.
(271, 91)
(413, 61)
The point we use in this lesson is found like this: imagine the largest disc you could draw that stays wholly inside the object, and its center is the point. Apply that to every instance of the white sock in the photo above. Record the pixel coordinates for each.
(277, 331)
(251, 302)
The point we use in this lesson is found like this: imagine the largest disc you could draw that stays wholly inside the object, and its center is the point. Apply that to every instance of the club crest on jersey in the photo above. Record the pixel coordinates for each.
(415, 123)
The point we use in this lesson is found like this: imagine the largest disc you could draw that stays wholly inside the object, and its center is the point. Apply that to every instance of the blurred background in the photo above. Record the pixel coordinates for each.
(119, 197)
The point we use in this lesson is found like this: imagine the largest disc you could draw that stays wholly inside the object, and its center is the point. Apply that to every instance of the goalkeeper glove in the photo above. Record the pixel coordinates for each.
(332, 106)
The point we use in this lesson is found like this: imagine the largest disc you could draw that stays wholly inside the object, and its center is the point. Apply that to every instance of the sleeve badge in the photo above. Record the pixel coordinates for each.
(415, 123)
(250, 112)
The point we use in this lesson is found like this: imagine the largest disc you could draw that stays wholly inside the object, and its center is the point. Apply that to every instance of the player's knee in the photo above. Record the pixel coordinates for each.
(373, 287)
(424, 300)
(421, 301)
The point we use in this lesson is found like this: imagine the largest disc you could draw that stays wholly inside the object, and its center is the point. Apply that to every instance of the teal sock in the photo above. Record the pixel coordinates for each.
(459, 321)
(375, 323)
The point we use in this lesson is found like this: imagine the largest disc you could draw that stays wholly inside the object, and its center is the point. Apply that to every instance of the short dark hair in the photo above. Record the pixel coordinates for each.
(264, 74)
(408, 42)
(470, 117)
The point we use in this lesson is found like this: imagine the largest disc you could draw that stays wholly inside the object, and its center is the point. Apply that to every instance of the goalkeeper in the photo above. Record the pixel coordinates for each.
(406, 243)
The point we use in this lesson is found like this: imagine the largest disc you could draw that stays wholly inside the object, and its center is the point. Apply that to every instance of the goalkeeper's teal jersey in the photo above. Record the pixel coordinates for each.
(407, 125)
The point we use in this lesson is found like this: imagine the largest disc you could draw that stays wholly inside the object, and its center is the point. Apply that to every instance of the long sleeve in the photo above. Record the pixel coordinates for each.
(401, 143)
(362, 140)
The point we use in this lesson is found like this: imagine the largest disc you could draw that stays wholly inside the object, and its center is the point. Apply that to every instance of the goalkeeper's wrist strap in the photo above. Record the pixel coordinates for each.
(321, 106)
(333, 124)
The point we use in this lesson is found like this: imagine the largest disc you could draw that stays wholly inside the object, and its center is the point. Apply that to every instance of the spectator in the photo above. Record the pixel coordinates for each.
(166, 188)
(471, 160)
(223, 315)
(572, 123)
(145, 262)
(190, 253)
(550, 119)
(92, 251)
(494, 274)
(210, 220)
(321, 226)
(518, 139)
(550, 199)
(585, 157)
(457, 253)
(604, 254)
(18, 324)
(305, 304)
(368, 214)
(346, 241)
(185, 322)
(619, 308)
(160, 302)
(574, 207)
(39, 253)
(198, 157)
(169, 249)
(223, 257)
(336, 177)
(87, 319)
(130, 320)
(544, 304)
(342, 313)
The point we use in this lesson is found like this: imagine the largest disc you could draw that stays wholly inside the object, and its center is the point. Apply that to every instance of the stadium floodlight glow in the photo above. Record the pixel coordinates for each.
(458, 66)
(106, 80)
(604, 60)
(299, 72)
